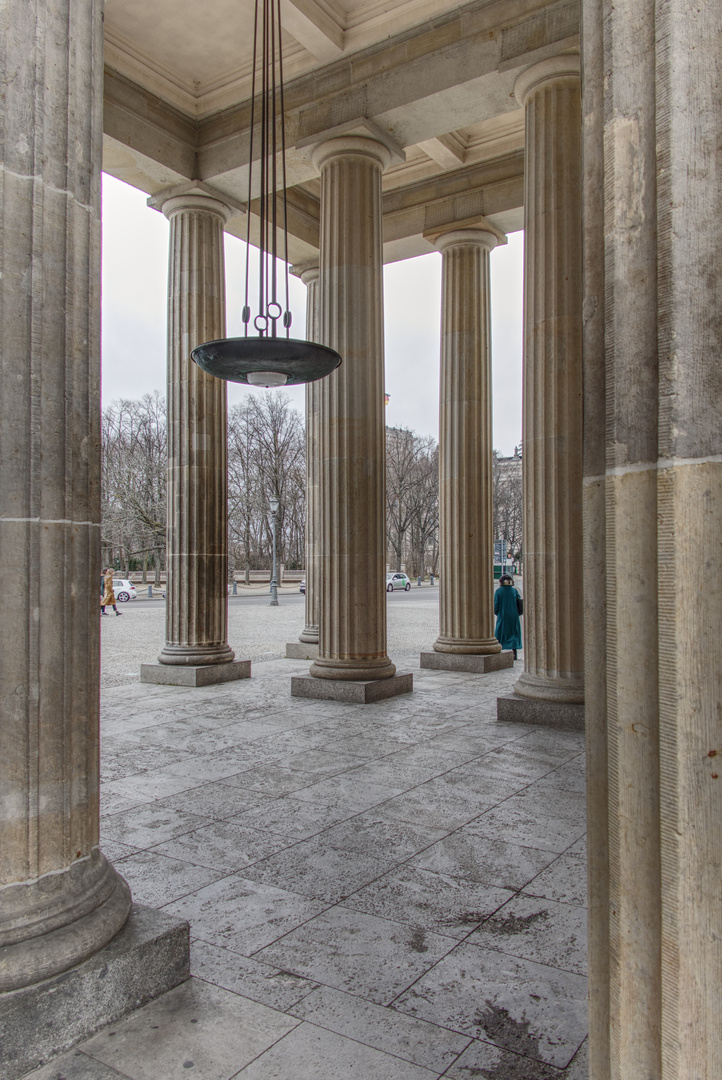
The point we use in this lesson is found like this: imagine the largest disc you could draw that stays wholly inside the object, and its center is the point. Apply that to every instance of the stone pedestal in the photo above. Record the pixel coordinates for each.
(148, 957)
(466, 605)
(480, 664)
(60, 899)
(352, 571)
(197, 551)
(195, 674)
(355, 692)
(552, 436)
(301, 650)
(561, 715)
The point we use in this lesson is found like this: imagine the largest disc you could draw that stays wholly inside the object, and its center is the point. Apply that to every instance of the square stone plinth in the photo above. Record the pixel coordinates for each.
(149, 956)
(358, 693)
(301, 650)
(194, 675)
(553, 714)
(475, 663)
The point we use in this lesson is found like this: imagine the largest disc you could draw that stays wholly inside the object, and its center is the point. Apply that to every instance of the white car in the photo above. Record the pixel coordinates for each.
(397, 581)
(124, 590)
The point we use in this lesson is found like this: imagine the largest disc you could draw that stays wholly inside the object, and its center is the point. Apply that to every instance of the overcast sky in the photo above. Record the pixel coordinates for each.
(135, 260)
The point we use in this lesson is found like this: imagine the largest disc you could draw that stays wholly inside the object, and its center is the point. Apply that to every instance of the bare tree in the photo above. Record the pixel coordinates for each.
(412, 485)
(508, 502)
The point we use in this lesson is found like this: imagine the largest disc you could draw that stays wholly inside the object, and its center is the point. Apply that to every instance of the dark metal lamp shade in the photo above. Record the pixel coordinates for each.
(266, 361)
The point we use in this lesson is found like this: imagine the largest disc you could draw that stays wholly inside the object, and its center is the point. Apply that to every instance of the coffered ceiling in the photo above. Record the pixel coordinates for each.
(434, 78)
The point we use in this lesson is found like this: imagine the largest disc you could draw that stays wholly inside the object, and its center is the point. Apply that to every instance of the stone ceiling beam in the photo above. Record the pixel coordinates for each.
(312, 27)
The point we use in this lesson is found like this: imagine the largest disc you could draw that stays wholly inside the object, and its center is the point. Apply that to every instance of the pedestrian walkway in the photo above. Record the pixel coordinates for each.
(384, 892)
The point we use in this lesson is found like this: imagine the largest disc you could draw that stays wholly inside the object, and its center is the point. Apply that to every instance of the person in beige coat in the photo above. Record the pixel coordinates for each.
(108, 594)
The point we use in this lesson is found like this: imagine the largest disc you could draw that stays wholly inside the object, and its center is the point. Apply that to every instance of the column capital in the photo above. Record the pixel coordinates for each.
(307, 272)
(361, 128)
(353, 146)
(555, 69)
(461, 237)
(195, 195)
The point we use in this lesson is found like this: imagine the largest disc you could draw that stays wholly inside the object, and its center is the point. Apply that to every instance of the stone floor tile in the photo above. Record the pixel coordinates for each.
(314, 868)
(75, 1066)
(224, 846)
(148, 825)
(149, 787)
(243, 915)
(527, 1008)
(479, 739)
(426, 755)
(483, 1060)
(217, 800)
(316, 762)
(579, 848)
(114, 851)
(568, 777)
(221, 764)
(217, 1031)
(564, 880)
(383, 1028)
(394, 773)
(292, 817)
(420, 898)
(371, 835)
(362, 954)
(511, 821)
(341, 791)
(156, 880)
(271, 780)
(437, 804)
(472, 856)
(250, 978)
(547, 801)
(124, 759)
(112, 802)
(538, 929)
(311, 1053)
(568, 744)
(363, 746)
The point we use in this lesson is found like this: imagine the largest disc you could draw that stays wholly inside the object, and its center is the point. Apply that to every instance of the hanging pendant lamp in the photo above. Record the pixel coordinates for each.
(269, 359)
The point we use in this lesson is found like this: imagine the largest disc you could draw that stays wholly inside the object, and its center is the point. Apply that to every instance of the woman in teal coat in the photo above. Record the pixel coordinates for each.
(508, 627)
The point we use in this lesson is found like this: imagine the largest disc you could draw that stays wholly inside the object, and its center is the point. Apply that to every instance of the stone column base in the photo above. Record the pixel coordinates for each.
(562, 715)
(479, 664)
(148, 957)
(301, 650)
(194, 674)
(358, 693)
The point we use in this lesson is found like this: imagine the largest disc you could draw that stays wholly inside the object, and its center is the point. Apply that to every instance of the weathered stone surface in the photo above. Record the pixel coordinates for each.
(60, 900)
(567, 716)
(309, 634)
(466, 606)
(552, 436)
(301, 650)
(357, 692)
(478, 663)
(352, 593)
(196, 675)
(197, 543)
(148, 957)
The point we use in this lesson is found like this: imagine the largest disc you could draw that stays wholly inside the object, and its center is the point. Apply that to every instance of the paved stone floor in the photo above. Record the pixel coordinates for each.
(384, 892)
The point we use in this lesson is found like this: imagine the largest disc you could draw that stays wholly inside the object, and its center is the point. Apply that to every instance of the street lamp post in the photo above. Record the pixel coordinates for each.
(274, 504)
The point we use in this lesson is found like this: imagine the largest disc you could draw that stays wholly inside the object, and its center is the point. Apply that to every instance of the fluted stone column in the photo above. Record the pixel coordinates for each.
(308, 638)
(197, 531)
(352, 575)
(652, 137)
(466, 608)
(60, 899)
(552, 422)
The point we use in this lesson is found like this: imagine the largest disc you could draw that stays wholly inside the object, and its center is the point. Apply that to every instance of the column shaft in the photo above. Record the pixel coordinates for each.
(689, 504)
(313, 524)
(466, 608)
(60, 900)
(552, 424)
(197, 604)
(594, 517)
(352, 608)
